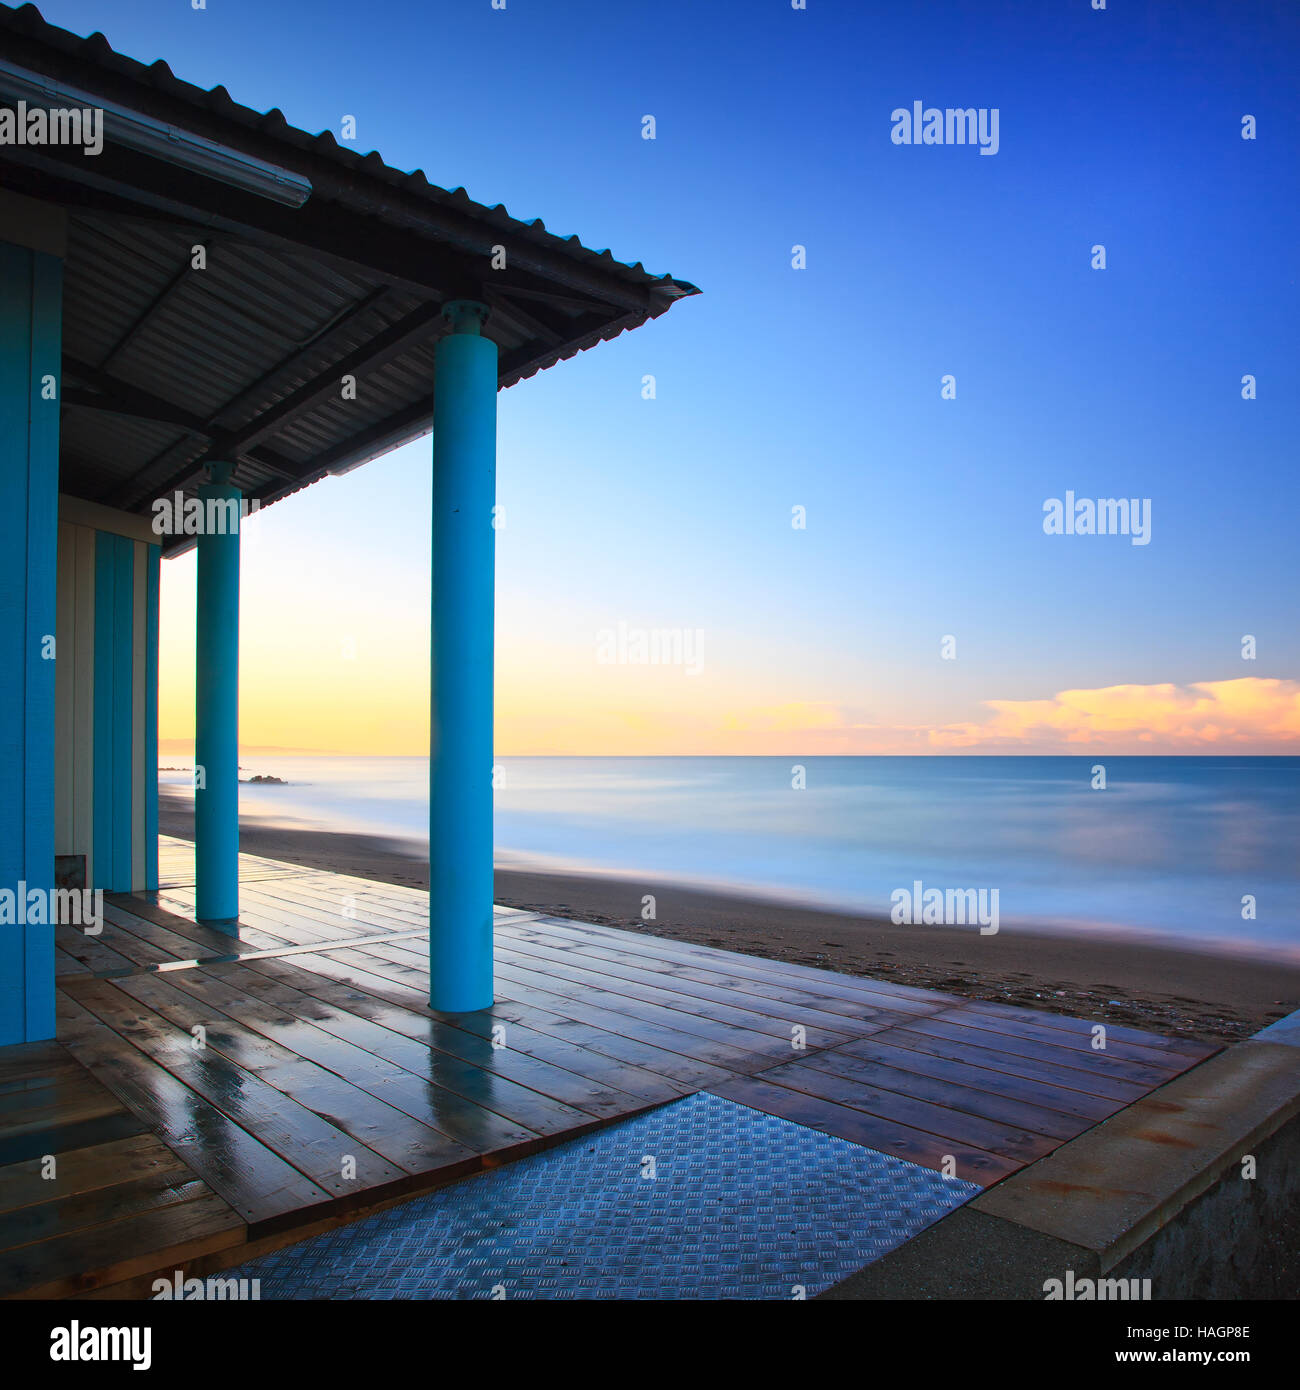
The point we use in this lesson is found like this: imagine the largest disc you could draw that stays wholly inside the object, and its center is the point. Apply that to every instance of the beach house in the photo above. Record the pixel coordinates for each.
(238, 1077)
(200, 304)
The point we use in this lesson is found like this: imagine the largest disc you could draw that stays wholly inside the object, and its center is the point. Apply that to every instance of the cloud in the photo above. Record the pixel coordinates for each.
(1250, 714)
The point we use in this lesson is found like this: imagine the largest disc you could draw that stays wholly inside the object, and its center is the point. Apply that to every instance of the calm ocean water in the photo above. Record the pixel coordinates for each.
(1169, 848)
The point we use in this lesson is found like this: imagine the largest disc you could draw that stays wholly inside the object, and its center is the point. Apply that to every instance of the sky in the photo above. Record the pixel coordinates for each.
(921, 607)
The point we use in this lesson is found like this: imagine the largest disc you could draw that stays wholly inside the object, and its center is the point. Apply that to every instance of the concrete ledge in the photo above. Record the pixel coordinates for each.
(1238, 1240)
(1111, 1189)
(1156, 1192)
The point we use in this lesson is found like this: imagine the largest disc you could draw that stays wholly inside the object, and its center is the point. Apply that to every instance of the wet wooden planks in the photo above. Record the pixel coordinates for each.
(291, 1083)
(88, 1196)
(176, 864)
(295, 1072)
(980, 1088)
(975, 1090)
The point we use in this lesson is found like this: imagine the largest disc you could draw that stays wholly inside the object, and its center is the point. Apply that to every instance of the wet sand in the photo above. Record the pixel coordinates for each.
(1181, 992)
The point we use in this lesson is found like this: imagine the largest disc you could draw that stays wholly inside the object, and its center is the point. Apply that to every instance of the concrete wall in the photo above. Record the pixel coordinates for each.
(1241, 1239)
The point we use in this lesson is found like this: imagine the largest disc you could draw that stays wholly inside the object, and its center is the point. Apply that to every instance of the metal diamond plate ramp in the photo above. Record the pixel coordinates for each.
(702, 1198)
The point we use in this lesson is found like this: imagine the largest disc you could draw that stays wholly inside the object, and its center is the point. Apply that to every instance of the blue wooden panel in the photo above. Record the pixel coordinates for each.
(29, 350)
(42, 572)
(153, 560)
(105, 612)
(123, 708)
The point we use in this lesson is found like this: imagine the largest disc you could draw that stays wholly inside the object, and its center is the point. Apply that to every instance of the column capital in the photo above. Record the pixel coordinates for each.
(466, 315)
(217, 471)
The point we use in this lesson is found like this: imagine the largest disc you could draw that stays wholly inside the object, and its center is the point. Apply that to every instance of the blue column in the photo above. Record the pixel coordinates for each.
(216, 708)
(460, 752)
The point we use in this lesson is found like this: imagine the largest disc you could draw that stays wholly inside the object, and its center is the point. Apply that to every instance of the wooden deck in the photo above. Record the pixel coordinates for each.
(207, 1096)
(85, 1185)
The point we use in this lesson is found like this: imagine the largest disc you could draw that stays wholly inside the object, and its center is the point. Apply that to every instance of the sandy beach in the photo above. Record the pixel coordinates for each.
(1184, 993)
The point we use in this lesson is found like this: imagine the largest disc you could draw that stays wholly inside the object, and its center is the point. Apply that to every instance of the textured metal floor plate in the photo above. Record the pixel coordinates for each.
(701, 1198)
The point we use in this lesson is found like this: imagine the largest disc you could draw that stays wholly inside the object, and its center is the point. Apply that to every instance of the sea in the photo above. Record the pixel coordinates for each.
(1200, 850)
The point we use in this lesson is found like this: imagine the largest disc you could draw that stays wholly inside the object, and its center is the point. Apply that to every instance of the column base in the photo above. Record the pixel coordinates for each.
(230, 925)
(456, 1013)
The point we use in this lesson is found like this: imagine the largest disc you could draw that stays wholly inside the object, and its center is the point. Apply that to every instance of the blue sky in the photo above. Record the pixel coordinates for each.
(821, 387)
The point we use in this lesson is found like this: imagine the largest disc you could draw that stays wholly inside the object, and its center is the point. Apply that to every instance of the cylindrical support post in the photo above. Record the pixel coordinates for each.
(460, 751)
(216, 705)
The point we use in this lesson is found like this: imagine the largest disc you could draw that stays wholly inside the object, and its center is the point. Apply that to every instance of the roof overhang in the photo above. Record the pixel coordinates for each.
(318, 263)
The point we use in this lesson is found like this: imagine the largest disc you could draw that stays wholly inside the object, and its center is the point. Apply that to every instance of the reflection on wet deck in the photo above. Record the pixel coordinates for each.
(208, 1092)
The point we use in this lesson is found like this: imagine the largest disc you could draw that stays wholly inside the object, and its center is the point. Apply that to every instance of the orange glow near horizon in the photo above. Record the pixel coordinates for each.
(335, 659)
(356, 681)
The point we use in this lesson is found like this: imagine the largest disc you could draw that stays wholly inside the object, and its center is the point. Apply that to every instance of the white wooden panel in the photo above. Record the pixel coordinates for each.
(83, 701)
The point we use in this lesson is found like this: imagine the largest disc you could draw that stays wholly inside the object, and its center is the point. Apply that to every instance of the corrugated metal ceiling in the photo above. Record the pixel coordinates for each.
(160, 359)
